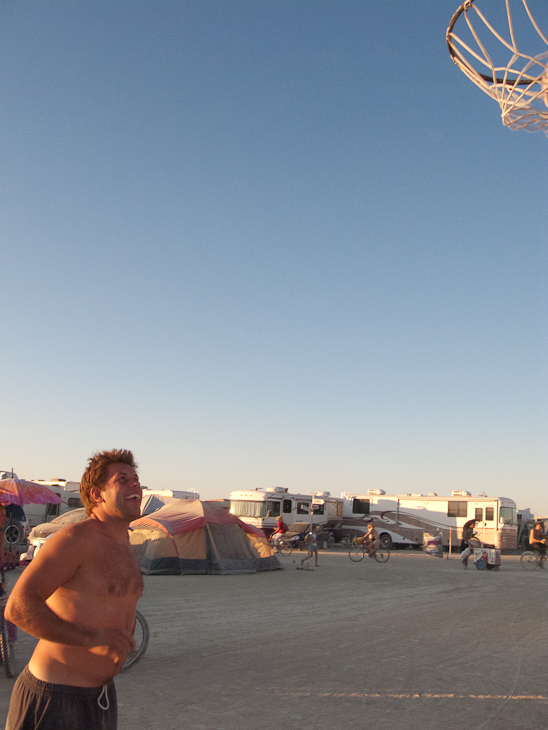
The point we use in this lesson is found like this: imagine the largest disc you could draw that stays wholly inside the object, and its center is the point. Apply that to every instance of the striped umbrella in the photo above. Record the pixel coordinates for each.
(20, 491)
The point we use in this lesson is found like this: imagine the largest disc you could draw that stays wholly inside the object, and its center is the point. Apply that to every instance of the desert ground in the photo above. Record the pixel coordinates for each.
(415, 643)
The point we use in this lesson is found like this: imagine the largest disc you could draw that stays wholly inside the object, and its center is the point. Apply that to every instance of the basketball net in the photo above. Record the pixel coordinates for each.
(520, 86)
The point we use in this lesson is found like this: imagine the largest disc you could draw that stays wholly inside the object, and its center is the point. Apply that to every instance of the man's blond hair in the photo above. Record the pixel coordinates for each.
(96, 473)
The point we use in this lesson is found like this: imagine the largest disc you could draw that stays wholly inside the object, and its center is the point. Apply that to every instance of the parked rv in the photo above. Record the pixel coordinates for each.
(261, 507)
(69, 493)
(402, 519)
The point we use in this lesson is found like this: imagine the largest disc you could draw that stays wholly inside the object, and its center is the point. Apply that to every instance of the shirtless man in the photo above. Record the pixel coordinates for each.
(78, 596)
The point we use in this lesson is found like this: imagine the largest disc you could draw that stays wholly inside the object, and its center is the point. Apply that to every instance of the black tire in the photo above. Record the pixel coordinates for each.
(381, 556)
(356, 553)
(330, 541)
(6, 648)
(386, 541)
(13, 533)
(286, 548)
(529, 560)
(141, 635)
(323, 545)
(302, 545)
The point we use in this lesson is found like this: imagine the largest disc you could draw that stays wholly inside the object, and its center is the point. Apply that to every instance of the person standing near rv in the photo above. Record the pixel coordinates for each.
(537, 542)
(78, 597)
(312, 542)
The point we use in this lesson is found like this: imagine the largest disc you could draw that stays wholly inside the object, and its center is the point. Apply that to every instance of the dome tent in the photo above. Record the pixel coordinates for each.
(191, 537)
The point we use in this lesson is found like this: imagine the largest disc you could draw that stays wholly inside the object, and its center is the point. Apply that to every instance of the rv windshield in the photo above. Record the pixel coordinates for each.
(509, 515)
(242, 508)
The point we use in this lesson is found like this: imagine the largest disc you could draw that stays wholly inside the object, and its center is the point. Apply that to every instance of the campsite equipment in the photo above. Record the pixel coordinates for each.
(486, 558)
(433, 544)
(191, 537)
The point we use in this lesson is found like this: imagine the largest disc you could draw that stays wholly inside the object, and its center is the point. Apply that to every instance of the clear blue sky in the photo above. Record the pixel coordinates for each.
(267, 242)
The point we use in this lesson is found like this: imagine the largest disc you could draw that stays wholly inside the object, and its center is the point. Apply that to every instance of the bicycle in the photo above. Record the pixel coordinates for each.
(347, 542)
(283, 547)
(8, 631)
(358, 553)
(141, 634)
(531, 559)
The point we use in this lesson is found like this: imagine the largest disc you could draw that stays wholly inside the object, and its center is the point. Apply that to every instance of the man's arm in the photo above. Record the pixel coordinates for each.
(59, 559)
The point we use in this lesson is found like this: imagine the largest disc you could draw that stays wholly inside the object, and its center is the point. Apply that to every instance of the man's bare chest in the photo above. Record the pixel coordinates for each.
(113, 573)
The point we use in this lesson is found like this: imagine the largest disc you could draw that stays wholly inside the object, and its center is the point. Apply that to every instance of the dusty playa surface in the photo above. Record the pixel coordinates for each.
(417, 643)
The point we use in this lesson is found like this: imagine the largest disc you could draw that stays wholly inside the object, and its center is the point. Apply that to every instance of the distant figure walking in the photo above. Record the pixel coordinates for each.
(312, 543)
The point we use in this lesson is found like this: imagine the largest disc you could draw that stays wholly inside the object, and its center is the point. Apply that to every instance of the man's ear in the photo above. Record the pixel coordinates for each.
(97, 495)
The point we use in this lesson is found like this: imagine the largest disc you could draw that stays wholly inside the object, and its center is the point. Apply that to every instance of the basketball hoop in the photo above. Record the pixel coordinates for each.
(487, 52)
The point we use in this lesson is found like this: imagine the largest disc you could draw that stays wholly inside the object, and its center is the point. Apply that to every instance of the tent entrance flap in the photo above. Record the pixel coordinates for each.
(228, 550)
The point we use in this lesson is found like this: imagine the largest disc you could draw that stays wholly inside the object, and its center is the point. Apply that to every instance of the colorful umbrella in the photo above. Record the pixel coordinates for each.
(19, 491)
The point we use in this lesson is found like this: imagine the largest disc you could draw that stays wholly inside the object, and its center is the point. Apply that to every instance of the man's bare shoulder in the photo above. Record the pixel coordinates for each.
(72, 538)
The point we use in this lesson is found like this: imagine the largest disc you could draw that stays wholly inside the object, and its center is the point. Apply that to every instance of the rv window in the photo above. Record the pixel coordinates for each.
(250, 509)
(288, 506)
(457, 509)
(360, 507)
(318, 509)
(74, 502)
(509, 515)
(52, 510)
(479, 514)
(489, 514)
(303, 508)
(273, 509)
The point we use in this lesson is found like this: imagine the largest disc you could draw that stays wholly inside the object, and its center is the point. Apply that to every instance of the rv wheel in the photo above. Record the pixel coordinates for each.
(386, 541)
(13, 533)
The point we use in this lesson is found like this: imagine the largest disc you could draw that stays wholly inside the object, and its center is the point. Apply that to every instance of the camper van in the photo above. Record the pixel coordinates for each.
(69, 493)
(402, 519)
(260, 507)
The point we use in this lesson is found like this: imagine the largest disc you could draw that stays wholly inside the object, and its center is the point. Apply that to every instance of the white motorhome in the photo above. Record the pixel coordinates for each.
(260, 507)
(402, 519)
(69, 493)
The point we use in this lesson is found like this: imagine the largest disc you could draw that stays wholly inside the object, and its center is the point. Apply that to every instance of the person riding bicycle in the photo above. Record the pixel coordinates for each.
(279, 531)
(371, 541)
(537, 542)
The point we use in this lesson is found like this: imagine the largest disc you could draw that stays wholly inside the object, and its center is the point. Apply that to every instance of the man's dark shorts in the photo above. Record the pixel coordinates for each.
(37, 705)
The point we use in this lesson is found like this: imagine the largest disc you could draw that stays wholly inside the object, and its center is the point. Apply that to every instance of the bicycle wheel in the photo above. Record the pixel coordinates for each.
(381, 556)
(529, 560)
(141, 635)
(356, 553)
(6, 647)
(286, 548)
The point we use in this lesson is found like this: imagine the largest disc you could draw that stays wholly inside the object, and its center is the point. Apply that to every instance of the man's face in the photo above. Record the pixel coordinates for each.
(122, 493)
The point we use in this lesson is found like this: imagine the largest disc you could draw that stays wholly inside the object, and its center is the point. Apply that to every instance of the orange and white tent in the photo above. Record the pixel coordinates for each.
(190, 537)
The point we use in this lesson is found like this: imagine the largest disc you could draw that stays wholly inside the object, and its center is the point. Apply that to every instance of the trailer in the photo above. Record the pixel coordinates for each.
(69, 493)
(261, 507)
(402, 519)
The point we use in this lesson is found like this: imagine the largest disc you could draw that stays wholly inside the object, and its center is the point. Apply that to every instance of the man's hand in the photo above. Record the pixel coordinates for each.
(113, 643)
